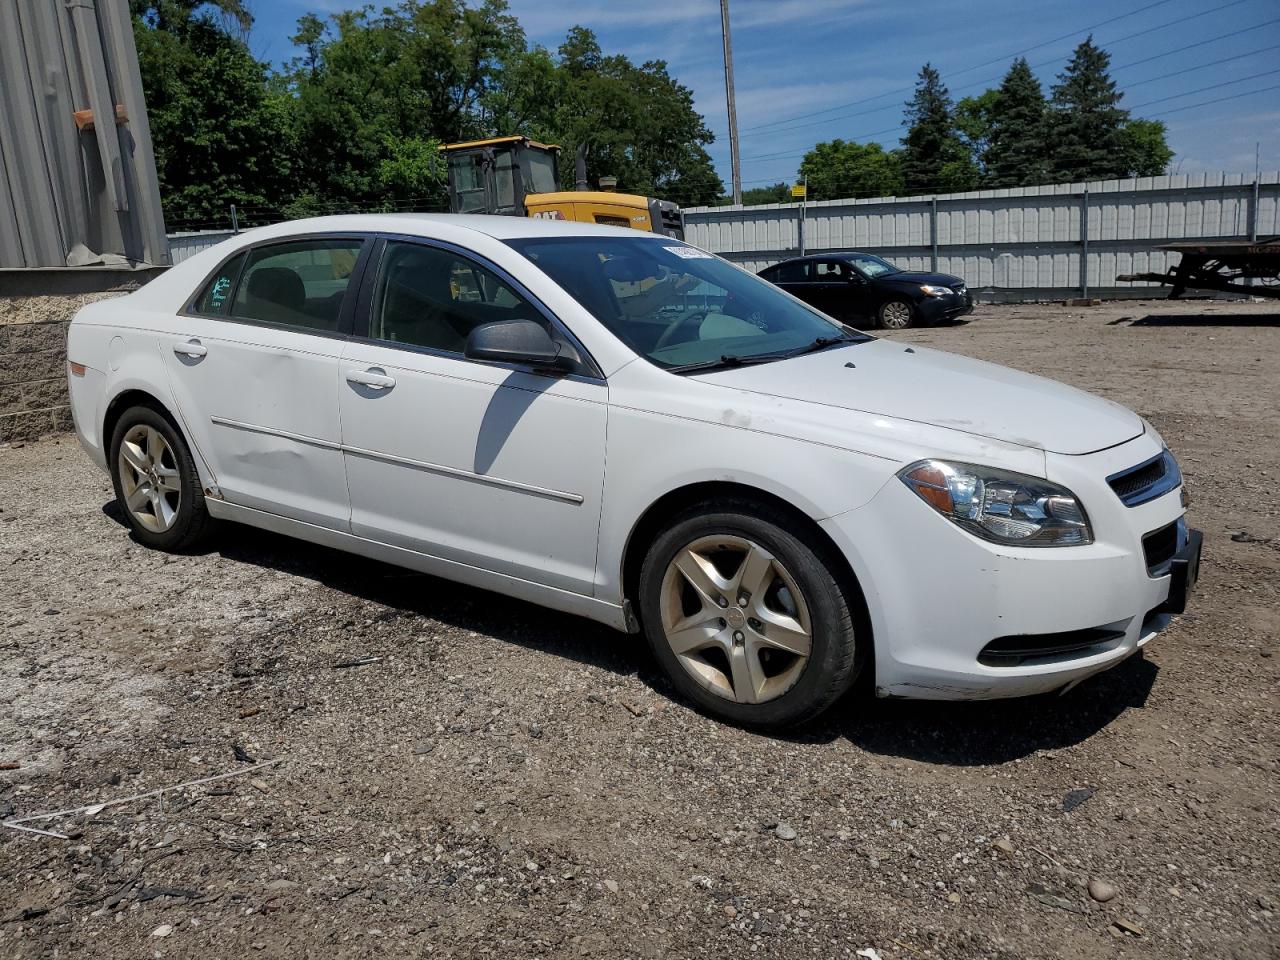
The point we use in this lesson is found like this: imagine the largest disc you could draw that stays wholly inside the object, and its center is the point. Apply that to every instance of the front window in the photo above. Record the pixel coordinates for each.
(542, 172)
(873, 267)
(830, 271)
(678, 306)
(432, 297)
(468, 178)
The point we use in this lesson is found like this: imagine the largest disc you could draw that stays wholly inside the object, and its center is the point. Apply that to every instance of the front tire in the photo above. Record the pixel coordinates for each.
(897, 315)
(155, 481)
(747, 616)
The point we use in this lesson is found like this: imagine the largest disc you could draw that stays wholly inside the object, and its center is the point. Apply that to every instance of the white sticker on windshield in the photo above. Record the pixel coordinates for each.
(689, 253)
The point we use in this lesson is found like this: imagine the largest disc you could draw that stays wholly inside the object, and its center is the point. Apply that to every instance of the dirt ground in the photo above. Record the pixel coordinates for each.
(509, 782)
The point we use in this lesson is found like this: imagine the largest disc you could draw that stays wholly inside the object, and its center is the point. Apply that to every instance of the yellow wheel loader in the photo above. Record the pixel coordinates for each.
(519, 177)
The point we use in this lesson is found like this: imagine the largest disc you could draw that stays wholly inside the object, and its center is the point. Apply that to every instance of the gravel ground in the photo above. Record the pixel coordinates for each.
(510, 782)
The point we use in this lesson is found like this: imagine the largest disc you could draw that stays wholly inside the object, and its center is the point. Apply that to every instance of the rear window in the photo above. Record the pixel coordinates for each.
(299, 283)
(215, 298)
(794, 271)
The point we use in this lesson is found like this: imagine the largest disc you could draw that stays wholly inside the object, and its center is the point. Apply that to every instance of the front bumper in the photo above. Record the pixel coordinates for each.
(938, 597)
(935, 310)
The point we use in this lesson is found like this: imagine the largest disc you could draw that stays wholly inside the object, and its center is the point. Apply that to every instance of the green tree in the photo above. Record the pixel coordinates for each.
(934, 159)
(175, 15)
(639, 122)
(1087, 120)
(840, 169)
(1017, 144)
(974, 117)
(220, 135)
(377, 92)
(1144, 148)
(777, 193)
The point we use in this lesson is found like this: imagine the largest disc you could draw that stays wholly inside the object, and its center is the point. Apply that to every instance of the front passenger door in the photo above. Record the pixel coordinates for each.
(483, 464)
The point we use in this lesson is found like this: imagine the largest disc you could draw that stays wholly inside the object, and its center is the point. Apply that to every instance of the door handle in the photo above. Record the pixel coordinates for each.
(371, 378)
(192, 348)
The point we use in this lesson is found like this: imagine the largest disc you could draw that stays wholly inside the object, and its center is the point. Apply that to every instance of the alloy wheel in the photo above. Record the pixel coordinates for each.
(149, 478)
(735, 619)
(896, 315)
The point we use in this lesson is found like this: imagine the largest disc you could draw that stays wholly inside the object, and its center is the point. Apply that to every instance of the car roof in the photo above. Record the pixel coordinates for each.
(826, 255)
(419, 224)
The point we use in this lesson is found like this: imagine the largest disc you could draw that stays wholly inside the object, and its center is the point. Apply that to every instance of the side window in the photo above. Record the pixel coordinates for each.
(829, 271)
(504, 180)
(300, 284)
(794, 272)
(429, 297)
(215, 298)
(468, 178)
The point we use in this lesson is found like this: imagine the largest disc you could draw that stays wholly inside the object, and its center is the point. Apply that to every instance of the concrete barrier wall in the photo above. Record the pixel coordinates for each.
(33, 368)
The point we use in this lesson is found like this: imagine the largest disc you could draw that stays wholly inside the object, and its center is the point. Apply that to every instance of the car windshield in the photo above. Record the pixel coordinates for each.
(873, 266)
(678, 306)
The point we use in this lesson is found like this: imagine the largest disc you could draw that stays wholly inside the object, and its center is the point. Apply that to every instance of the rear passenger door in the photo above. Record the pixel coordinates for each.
(488, 465)
(831, 290)
(254, 368)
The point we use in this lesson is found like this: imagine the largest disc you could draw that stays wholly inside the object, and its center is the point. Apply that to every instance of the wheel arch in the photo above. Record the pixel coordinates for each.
(133, 397)
(660, 513)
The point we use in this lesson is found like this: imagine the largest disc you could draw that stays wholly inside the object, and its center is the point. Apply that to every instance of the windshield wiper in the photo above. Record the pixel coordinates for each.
(733, 360)
(821, 343)
(726, 360)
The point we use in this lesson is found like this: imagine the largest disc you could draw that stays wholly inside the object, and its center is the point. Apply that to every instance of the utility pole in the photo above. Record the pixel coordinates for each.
(733, 108)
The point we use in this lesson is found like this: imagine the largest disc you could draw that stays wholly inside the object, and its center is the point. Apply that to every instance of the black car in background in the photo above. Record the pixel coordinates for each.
(859, 287)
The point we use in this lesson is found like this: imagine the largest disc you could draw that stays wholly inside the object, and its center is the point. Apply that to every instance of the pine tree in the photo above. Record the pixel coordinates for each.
(934, 159)
(1017, 153)
(1086, 119)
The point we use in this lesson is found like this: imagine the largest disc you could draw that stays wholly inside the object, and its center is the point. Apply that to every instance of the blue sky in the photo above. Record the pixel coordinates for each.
(810, 70)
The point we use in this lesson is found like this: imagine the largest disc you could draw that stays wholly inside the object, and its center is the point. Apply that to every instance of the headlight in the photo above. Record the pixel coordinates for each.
(931, 290)
(1000, 506)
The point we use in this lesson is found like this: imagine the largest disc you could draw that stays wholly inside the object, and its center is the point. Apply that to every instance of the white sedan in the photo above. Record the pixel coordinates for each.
(622, 426)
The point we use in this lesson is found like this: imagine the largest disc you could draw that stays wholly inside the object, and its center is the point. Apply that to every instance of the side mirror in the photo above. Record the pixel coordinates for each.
(517, 341)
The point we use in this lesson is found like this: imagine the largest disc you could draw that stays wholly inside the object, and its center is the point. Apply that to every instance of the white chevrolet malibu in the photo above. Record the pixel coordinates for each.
(624, 427)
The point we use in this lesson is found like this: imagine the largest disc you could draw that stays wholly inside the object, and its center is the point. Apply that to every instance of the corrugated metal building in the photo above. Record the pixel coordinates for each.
(77, 174)
(1045, 241)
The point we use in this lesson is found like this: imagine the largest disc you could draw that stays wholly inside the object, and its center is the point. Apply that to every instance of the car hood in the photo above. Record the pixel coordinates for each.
(886, 378)
(918, 277)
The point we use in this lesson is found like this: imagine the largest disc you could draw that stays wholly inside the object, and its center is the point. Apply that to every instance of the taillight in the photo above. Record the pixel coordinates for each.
(77, 369)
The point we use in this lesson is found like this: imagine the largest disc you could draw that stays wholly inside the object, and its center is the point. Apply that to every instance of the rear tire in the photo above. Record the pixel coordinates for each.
(156, 483)
(746, 615)
(897, 315)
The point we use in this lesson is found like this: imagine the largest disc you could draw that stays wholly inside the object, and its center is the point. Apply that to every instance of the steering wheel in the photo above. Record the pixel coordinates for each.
(676, 324)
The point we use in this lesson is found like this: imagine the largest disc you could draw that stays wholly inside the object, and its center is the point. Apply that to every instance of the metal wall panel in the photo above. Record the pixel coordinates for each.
(1028, 242)
(184, 245)
(72, 197)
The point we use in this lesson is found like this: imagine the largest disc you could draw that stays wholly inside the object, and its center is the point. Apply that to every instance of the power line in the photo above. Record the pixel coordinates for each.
(1043, 63)
(1198, 43)
(1205, 103)
(1211, 63)
(1225, 83)
(985, 63)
